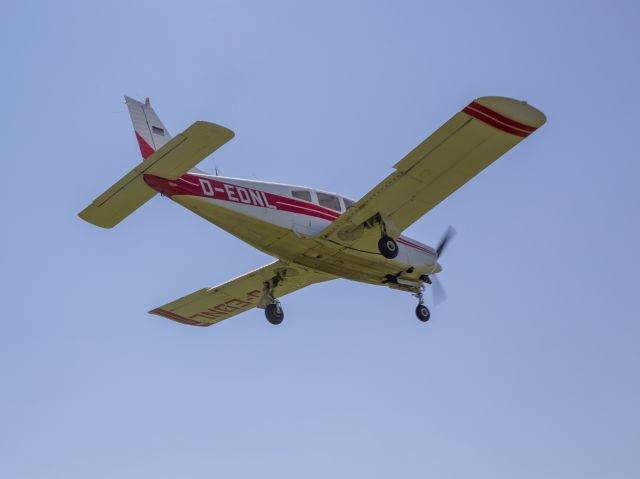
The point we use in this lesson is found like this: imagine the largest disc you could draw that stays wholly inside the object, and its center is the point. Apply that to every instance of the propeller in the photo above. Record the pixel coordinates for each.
(439, 293)
(448, 235)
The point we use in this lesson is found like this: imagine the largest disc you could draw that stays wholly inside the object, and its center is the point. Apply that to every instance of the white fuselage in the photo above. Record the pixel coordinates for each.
(284, 221)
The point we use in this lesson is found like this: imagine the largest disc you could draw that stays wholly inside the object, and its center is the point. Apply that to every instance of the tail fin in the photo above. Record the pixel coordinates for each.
(150, 132)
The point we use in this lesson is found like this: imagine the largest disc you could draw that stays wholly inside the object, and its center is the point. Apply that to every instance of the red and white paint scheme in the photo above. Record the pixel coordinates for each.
(314, 235)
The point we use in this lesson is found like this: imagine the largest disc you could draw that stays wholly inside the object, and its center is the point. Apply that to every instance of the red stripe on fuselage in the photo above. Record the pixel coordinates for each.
(202, 187)
(405, 242)
(304, 211)
(192, 185)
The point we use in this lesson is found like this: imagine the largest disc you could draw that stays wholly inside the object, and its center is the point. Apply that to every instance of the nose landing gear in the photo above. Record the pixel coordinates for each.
(422, 312)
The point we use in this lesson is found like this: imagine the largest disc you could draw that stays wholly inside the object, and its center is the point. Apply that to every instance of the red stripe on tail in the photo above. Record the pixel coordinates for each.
(145, 149)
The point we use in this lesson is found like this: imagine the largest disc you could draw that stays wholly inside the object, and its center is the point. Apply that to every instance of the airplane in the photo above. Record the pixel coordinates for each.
(314, 235)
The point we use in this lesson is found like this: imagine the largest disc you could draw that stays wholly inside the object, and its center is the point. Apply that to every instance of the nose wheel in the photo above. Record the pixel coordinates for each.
(422, 312)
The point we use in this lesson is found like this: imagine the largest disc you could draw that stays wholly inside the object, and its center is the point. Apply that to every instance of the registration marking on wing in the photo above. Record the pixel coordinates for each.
(213, 313)
(227, 307)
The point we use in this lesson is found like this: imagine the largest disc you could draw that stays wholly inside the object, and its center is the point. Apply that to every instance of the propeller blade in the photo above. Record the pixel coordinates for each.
(439, 293)
(448, 235)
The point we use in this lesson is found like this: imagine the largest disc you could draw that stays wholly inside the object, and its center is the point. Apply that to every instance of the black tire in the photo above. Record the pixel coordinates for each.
(274, 313)
(388, 247)
(423, 313)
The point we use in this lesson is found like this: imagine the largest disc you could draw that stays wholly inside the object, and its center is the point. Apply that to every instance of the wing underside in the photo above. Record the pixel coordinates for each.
(212, 305)
(466, 144)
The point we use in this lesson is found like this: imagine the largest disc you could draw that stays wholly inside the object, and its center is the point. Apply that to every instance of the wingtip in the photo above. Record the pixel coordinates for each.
(517, 110)
(177, 318)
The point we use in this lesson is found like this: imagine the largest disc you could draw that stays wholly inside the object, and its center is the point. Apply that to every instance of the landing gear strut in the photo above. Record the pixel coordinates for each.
(272, 307)
(422, 312)
(386, 245)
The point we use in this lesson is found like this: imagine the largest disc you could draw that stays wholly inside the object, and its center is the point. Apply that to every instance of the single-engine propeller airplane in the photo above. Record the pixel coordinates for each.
(314, 235)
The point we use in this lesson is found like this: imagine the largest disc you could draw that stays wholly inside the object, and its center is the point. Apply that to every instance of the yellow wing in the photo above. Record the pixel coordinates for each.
(466, 144)
(212, 305)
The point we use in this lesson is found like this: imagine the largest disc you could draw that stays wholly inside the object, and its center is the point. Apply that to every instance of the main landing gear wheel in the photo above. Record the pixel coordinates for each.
(388, 247)
(274, 313)
(423, 313)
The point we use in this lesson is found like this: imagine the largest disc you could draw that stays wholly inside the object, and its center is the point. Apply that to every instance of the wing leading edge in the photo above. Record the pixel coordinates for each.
(211, 305)
(465, 145)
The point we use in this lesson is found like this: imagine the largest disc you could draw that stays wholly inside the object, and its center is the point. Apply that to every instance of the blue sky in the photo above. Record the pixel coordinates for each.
(529, 370)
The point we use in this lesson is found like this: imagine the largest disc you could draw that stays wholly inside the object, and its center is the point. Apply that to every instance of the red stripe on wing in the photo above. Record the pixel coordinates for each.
(513, 123)
(496, 120)
(176, 317)
(494, 123)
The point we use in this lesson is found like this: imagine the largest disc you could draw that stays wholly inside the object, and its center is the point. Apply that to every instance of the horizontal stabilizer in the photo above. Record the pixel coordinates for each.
(171, 161)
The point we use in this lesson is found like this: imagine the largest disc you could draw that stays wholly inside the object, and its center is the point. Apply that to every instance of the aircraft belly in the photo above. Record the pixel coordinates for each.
(259, 227)
(245, 225)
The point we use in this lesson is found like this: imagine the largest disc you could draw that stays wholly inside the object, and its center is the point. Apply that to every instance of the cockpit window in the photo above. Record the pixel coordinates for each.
(302, 195)
(348, 203)
(329, 201)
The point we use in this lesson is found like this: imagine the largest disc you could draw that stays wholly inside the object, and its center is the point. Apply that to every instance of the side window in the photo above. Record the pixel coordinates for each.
(302, 195)
(348, 203)
(329, 201)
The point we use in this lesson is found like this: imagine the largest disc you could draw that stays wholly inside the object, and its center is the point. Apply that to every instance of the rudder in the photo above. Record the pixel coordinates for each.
(150, 131)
